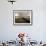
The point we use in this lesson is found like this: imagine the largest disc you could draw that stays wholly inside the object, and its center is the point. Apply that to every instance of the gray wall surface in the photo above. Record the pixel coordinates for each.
(38, 29)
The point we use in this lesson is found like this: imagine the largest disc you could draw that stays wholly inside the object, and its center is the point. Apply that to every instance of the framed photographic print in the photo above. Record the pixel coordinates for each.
(22, 17)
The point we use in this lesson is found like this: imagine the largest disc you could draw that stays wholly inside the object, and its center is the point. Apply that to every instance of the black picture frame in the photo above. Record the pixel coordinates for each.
(17, 13)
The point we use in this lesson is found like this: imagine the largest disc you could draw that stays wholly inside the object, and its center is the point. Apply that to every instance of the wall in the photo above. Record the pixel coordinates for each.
(38, 30)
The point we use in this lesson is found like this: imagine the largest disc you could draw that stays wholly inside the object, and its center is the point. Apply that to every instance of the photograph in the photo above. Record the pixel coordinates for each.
(22, 16)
